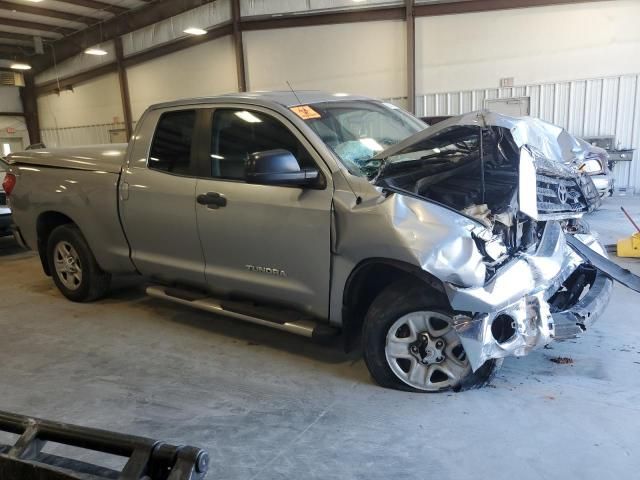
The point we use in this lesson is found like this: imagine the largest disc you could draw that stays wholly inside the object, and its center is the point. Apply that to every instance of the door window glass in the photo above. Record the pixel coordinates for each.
(171, 148)
(239, 133)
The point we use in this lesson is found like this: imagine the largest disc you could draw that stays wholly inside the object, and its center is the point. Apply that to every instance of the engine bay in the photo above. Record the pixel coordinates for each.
(474, 171)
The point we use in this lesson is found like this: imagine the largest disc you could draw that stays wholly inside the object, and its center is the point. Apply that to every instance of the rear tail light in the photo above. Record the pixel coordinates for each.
(9, 183)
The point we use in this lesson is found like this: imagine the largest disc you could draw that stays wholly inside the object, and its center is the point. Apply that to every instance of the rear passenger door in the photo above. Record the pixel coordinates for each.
(269, 243)
(157, 198)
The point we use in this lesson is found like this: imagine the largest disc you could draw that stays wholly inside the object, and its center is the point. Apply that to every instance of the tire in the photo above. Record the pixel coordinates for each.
(73, 267)
(394, 319)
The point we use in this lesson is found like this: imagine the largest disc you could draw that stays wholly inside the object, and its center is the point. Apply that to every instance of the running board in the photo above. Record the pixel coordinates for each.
(285, 320)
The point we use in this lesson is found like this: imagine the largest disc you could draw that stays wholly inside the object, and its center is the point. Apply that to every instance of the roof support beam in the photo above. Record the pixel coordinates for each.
(323, 18)
(96, 5)
(44, 12)
(17, 52)
(167, 48)
(16, 36)
(124, 88)
(44, 27)
(136, 59)
(485, 6)
(238, 45)
(115, 27)
(411, 56)
(56, 86)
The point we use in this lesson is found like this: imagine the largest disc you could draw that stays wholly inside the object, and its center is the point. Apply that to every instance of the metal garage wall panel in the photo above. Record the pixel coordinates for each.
(249, 8)
(205, 17)
(78, 136)
(592, 107)
(10, 99)
(78, 64)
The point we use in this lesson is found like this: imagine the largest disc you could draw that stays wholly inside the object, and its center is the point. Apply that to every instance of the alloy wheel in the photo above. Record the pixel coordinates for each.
(424, 351)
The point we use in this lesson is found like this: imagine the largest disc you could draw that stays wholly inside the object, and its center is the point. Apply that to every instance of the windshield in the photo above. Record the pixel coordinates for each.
(359, 130)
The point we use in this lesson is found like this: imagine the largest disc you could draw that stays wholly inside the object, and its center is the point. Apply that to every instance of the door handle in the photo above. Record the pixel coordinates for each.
(212, 200)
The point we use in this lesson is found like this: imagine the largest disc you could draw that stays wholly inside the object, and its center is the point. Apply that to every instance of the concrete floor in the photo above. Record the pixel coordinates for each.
(268, 405)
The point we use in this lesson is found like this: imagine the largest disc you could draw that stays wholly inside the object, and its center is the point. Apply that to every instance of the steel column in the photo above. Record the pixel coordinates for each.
(238, 45)
(411, 56)
(30, 108)
(124, 87)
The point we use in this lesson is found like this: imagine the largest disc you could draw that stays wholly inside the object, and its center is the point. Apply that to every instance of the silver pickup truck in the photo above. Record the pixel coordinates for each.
(441, 249)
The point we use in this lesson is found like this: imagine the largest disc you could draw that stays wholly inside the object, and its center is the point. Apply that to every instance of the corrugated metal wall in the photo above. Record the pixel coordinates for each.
(593, 107)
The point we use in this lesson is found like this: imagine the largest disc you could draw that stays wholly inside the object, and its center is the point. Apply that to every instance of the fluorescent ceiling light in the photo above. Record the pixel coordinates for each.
(248, 117)
(195, 31)
(95, 51)
(20, 66)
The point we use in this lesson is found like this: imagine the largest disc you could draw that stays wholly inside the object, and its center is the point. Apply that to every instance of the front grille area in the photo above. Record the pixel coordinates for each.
(559, 196)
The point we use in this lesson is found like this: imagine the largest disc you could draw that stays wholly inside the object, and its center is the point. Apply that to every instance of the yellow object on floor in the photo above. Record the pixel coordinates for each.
(629, 247)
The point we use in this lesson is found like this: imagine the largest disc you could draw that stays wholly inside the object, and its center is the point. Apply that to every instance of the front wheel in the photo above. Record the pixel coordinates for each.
(410, 343)
(73, 267)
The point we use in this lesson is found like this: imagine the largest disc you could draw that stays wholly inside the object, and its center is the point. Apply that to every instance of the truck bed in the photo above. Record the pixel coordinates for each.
(104, 158)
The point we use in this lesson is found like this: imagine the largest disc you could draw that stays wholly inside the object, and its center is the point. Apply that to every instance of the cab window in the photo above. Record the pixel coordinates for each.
(171, 148)
(238, 133)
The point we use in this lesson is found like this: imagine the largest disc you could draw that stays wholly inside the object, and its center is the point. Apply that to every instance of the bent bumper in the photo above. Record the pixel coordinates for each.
(572, 322)
(513, 313)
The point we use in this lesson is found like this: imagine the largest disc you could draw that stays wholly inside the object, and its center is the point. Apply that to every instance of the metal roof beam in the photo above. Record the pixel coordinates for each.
(127, 22)
(45, 12)
(43, 27)
(96, 5)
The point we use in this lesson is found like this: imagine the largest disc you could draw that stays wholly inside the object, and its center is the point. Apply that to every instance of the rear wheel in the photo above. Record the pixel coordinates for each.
(73, 267)
(410, 343)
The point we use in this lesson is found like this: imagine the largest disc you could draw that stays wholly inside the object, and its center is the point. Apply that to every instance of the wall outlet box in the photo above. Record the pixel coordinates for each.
(506, 82)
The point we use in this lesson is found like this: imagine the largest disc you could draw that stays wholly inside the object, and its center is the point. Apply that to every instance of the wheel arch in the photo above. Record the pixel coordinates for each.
(364, 284)
(47, 222)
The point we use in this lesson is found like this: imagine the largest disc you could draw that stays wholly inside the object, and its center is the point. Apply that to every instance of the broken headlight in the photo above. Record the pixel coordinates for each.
(592, 167)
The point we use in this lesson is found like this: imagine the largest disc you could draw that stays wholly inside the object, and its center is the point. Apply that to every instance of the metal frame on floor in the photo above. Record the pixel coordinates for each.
(148, 459)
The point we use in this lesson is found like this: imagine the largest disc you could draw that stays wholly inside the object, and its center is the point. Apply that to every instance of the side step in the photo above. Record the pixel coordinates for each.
(285, 320)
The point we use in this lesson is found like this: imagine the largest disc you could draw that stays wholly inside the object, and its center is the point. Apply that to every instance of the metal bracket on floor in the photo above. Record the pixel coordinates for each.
(148, 459)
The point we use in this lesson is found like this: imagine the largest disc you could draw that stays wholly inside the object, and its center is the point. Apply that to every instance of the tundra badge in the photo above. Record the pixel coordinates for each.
(267, 270)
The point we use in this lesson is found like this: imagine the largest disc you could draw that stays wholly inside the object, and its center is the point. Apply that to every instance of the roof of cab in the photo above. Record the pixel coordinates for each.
(285, 98)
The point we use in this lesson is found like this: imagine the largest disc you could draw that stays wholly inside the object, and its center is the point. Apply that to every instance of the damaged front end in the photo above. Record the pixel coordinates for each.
(516, 178)
(539, 296)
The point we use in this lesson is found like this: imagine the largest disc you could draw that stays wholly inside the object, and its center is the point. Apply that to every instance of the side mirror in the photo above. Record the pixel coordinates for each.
(278, 167)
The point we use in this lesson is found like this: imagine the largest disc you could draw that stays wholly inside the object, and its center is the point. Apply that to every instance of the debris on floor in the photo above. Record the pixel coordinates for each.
(562, 360)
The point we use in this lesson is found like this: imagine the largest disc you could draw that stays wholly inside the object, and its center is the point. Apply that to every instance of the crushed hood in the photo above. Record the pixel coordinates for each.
(545, 157)
(553, 142)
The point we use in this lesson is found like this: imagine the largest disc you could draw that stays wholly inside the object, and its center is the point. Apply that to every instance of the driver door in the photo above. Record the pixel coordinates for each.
(263, 242)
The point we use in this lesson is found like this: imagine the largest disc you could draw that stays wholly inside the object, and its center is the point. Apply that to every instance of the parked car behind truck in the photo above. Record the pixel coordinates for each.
(447, 249)
(5, 211)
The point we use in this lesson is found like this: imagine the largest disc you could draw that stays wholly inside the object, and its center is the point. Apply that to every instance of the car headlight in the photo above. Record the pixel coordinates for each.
(592, 166)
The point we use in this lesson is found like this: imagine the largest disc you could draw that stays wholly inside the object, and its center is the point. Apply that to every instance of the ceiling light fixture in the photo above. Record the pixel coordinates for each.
(248, 117)
(20, 66)
(195, 31)
(95, 51)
